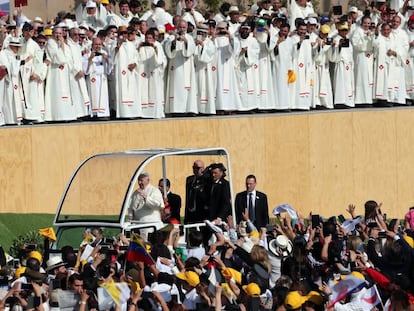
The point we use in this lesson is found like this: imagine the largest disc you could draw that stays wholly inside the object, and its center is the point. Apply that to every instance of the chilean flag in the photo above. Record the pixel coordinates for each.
(370, 298)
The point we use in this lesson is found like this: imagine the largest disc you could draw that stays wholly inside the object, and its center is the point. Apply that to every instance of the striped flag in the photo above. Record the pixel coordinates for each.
(137, 250)
(370, 298)
(344, 287)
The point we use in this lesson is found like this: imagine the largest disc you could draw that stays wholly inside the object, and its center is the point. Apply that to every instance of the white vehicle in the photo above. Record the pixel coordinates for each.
(99, 192)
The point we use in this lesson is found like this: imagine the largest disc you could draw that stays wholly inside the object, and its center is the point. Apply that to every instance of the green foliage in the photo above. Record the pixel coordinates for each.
(31, 237)
(14, 225)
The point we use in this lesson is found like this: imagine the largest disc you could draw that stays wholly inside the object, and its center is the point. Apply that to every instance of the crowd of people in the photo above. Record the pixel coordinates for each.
(240, 262)
(98, 64)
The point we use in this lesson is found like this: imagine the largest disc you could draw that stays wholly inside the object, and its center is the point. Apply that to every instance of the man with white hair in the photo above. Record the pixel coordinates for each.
(146, 202)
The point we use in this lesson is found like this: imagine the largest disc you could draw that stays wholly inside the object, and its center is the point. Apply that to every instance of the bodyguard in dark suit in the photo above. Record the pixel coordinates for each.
(253, 203)
(219, 204)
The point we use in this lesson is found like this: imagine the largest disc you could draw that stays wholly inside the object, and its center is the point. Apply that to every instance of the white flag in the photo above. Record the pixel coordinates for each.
(370, 298)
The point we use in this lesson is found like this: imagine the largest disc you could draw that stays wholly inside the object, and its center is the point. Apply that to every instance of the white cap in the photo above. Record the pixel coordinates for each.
(353, 9)
(312, 21)
(91, 4)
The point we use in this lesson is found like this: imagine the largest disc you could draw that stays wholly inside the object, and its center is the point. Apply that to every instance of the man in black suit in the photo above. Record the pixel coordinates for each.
(196, 195)
(172, 202)
(252, 203)
(219, 203)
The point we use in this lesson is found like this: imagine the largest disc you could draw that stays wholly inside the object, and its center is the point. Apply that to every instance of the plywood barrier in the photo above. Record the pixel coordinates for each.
(317, 162)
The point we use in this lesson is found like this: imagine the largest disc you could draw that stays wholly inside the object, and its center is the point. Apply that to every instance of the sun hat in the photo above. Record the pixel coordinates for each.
(281, 246)
(53, 263)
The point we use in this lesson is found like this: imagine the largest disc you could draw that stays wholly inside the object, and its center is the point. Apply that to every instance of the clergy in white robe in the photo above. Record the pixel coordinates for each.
(181, 95)
(343, 76)
(282, 64)
(124, 16)
(401, 48)
(248, 69)
(32, 78)
(58, 101)
(96, 65)
(11, 95)
(126, 76)
(387, 66)
(362, 42)
(299, 9)
(322, 86)
(301, 96)
(78, 90)
(151, 66)
(228, 92)
(205, 70)
(409, 63)
(267, 96)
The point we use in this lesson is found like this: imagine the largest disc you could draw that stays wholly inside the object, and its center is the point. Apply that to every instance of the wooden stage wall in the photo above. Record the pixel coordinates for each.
(317, 162)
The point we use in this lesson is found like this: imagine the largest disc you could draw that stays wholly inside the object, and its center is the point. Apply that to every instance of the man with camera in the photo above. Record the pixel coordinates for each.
(301, 96)
(362, 42)
(96, 68)
(151, 66)
(343, 59)
(181, 85)
(205, 75)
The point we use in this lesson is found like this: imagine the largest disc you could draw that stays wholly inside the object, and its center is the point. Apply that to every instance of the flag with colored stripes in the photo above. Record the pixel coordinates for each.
(137, 250)
(370, 298)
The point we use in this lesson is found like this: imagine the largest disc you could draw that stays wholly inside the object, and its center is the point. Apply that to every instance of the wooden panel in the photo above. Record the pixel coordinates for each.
(331, 186)
(375, 158)
(313, 161)
(16, 170)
